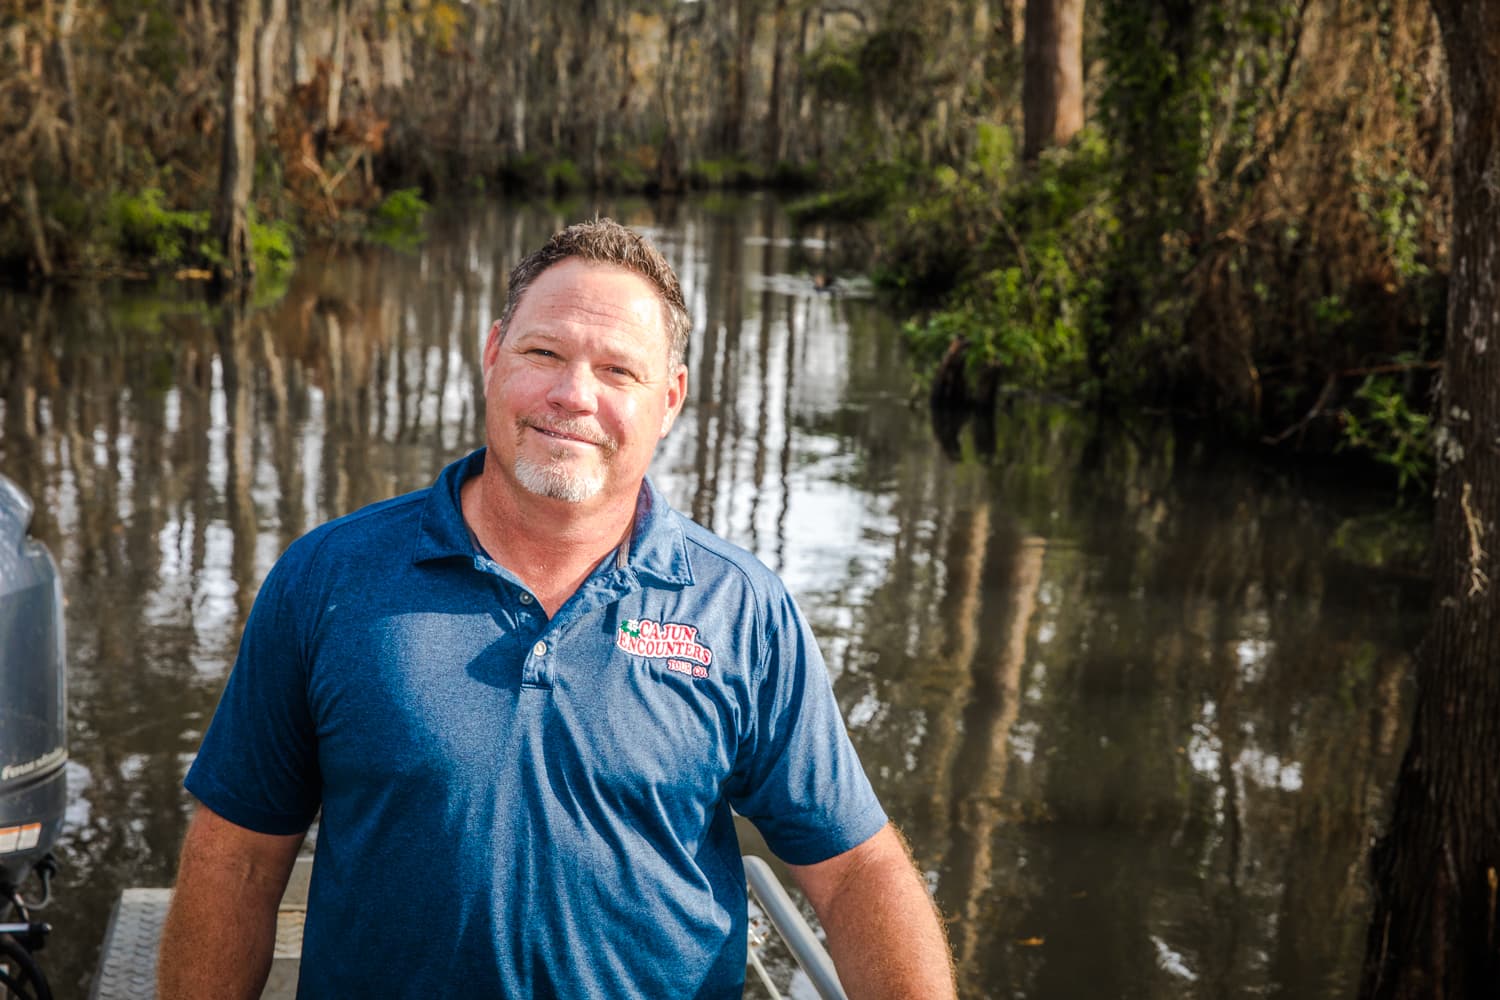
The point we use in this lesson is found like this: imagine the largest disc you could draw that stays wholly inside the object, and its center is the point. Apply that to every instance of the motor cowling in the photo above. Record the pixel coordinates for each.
(33, 692)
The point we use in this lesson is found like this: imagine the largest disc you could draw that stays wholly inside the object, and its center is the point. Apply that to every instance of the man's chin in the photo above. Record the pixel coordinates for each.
(557, 483)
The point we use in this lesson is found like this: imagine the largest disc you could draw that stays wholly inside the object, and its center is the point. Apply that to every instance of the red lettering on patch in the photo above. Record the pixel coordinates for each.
(671, 641)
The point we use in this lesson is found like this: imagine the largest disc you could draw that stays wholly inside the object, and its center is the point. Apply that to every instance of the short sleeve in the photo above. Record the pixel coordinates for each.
(801, 784)
(258, 764)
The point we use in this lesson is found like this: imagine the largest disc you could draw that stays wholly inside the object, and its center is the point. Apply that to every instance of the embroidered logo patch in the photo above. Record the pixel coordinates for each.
(671, 641)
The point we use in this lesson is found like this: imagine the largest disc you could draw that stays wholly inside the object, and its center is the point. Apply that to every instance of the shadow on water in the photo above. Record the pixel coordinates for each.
(1134, 702)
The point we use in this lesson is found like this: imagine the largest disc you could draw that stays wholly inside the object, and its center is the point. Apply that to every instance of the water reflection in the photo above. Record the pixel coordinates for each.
(1131, 705)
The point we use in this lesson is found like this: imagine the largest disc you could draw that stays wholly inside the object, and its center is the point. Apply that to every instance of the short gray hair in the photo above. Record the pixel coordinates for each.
(605, 241)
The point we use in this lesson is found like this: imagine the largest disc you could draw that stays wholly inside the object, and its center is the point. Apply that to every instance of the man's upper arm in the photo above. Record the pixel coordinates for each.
(823, 881)
(884, 933)
(215, 845)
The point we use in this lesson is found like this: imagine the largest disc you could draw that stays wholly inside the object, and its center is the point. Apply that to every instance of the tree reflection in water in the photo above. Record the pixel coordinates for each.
(1131, 703)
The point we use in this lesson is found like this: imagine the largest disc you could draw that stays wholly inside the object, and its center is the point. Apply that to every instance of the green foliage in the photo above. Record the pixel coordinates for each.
(1029, 329)
(562, 176)
(865, 196)
(831, 74)
(729, 172)
(628, 175)
(1382, 422)
(397, 221)
(995, 152)
(273, 247)
(1332, 313)
(1395, 202)
(1028, 296)
(143, 228)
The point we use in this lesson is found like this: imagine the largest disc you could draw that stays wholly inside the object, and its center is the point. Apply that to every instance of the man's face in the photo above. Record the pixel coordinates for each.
(581, 388)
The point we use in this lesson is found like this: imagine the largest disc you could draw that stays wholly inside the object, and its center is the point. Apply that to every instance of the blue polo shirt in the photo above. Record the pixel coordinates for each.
(520, 807)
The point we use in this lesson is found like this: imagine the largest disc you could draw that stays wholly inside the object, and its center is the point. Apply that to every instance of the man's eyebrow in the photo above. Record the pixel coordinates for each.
(627, 350)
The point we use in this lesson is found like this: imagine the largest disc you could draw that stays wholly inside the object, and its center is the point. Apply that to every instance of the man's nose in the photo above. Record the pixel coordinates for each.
(575, 389)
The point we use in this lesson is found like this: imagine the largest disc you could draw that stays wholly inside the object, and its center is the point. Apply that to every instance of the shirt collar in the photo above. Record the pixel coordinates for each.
(656, 548)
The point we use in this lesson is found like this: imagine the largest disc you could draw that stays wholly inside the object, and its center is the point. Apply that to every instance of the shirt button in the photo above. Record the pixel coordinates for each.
(525, 597)
(540, 649)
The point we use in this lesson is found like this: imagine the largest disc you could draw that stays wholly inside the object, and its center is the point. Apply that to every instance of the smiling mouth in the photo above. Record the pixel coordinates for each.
(570, 434)
(554, 435)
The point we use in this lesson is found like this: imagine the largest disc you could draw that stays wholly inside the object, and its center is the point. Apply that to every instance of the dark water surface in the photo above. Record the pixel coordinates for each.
(1134, 703)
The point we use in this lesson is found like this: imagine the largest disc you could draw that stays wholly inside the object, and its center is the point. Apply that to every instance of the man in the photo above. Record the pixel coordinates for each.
(525, 700)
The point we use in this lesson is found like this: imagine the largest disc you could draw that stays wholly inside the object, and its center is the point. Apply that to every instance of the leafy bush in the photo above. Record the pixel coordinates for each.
(1382, 422)
(1021, 249)
(397, 220)
(142, 227)
(273, 247)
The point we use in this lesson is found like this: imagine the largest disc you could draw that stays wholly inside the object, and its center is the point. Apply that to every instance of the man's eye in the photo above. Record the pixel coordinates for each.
(541, 352)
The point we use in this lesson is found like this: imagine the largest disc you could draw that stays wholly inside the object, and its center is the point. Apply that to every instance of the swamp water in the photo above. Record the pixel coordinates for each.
(1135, 704)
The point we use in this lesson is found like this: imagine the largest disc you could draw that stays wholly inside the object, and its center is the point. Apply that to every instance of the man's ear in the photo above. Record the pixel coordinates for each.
(491, 346)
(676, 396)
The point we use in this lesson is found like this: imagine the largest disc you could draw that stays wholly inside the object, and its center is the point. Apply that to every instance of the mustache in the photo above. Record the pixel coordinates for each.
(571, 428)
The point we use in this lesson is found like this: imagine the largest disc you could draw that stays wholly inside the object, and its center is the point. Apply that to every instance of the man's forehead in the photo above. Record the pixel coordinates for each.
(591, 290)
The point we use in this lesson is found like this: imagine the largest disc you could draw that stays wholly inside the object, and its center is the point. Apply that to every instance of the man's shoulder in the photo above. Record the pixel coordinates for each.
(713, 556)
(383, 528)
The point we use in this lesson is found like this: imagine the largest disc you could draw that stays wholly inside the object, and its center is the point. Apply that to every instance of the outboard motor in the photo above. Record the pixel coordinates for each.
(33, 745)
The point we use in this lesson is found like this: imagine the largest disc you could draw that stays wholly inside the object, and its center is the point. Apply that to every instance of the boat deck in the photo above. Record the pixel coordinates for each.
(127, 963)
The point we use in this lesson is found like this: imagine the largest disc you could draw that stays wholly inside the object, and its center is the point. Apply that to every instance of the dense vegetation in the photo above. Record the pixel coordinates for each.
(1249, 226)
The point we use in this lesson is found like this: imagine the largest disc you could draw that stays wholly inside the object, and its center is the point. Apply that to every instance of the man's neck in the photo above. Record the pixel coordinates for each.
(551, 545)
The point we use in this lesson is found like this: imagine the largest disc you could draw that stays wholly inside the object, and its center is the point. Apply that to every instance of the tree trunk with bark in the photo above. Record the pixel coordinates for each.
(267, 94)
(771, 152)
(294, 63)
(63, 54)
(237, 164)
(516, 38)
(1052, 88)
(739, 78)
(1433, 927)
(336, 61)
(668, 167)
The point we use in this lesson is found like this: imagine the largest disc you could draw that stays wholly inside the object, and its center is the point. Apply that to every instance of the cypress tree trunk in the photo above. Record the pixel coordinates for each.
(237, 165)
(267, 94)
(1433, 929)
(771, 150)
(1052, 88)
(63, 53)
(336, 61)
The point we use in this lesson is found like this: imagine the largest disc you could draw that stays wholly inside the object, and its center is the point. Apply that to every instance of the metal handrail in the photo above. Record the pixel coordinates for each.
(800, 940)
